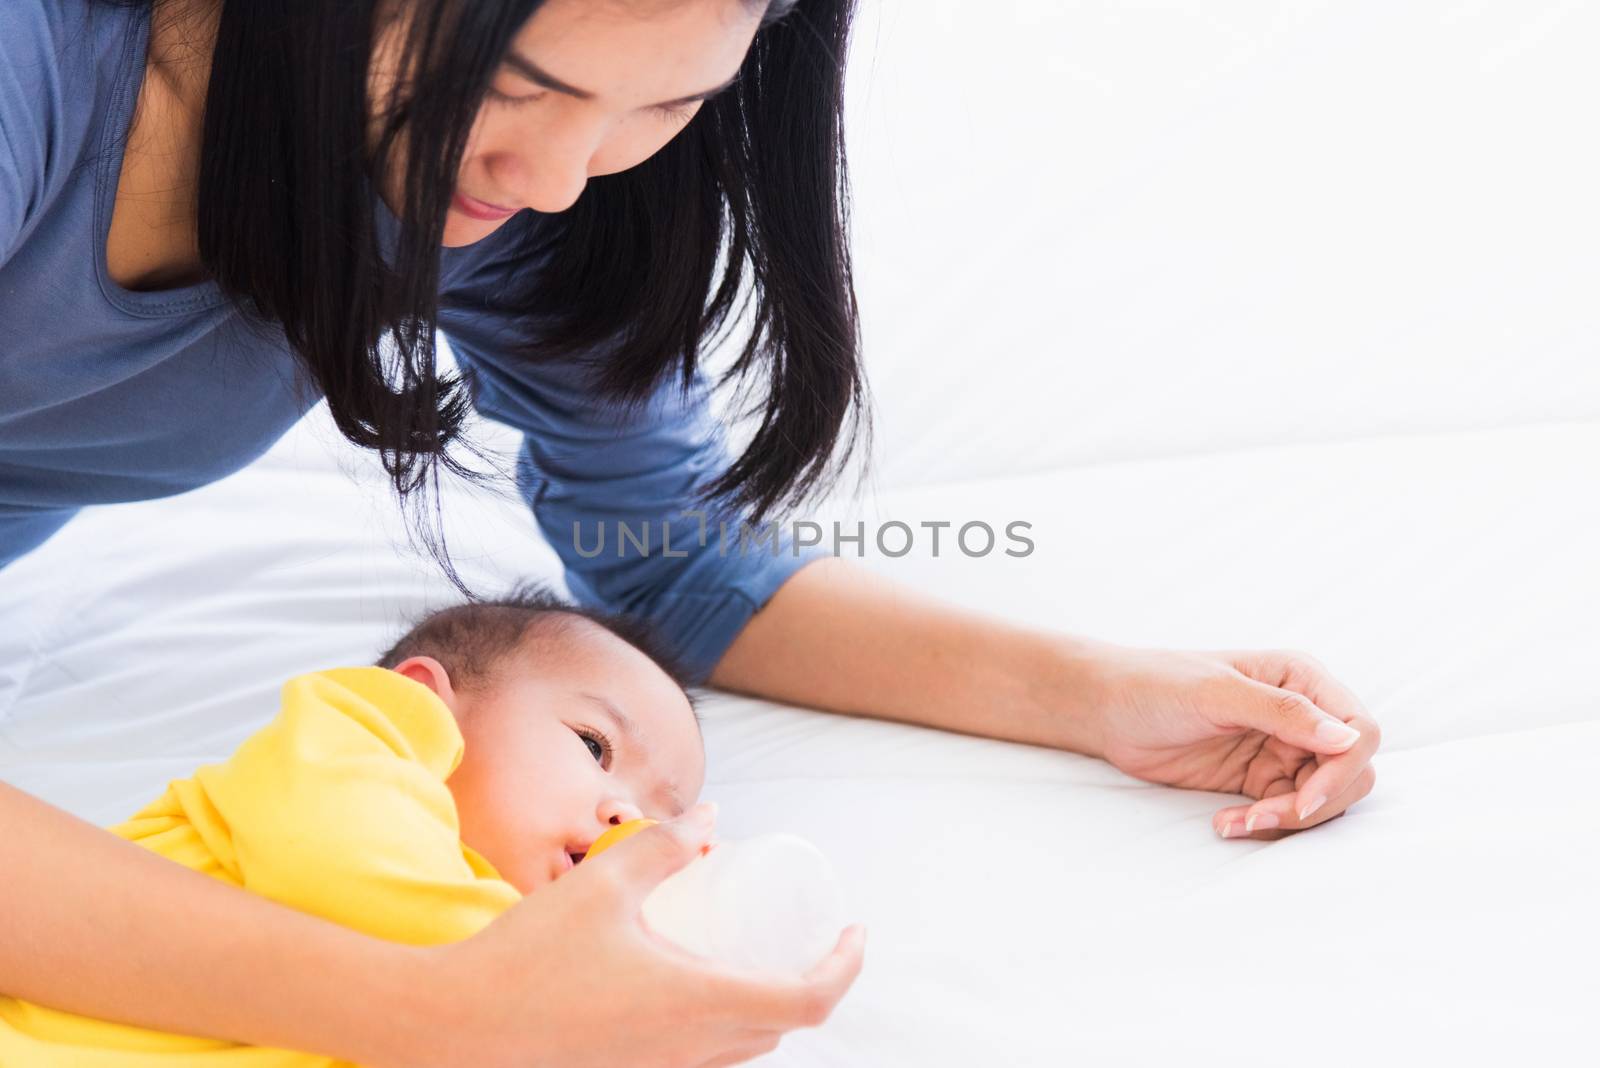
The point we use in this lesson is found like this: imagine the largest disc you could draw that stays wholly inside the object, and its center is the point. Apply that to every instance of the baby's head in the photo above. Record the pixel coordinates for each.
(574, 721)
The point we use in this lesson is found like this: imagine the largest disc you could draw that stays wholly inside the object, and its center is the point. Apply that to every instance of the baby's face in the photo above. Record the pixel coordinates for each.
(591, 736)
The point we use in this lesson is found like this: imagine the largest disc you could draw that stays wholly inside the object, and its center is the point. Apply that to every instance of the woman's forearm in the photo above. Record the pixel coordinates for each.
(96, 925)
(838, 637)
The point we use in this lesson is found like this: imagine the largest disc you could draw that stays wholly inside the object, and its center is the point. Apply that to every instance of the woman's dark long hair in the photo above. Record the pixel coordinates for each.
(646, 269)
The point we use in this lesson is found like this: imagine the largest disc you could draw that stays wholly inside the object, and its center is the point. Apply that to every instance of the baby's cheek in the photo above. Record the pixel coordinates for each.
(527, 877)
(524, 852)
(481, 825)
(520, 861)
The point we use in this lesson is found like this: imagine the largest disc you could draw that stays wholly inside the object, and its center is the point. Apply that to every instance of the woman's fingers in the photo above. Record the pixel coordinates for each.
(1360, 787)
(1254, 820)
(806, 1001)
(1292, 717)
(1290, 669)
(763, 1010)
(627, 873)
(843, 964)
(1273, 817)
(1336, 775)
(1229, 822)
(1293, 697)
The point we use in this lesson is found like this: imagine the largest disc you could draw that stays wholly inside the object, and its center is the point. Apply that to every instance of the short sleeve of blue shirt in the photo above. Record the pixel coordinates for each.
(590, 469)
(30, 99)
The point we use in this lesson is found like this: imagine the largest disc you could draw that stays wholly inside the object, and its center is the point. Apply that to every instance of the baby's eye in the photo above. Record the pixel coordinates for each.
(598, 744)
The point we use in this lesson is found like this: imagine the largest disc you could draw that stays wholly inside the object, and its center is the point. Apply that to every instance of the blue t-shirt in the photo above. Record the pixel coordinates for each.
(108, 394)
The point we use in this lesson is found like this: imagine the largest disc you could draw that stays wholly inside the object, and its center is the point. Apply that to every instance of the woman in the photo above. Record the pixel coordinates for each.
(210, 215)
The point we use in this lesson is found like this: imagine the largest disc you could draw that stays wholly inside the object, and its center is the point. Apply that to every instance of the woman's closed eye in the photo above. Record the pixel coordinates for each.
(669, 112)
(515, 101)
(676, 112)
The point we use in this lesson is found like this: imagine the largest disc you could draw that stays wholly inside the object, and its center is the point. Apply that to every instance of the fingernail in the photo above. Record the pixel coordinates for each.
(1227, 829)
(1332, 732)
(1260, 821)
(1316, 803)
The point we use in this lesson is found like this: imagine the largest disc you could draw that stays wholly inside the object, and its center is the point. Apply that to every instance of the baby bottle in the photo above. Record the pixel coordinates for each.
(768, 903)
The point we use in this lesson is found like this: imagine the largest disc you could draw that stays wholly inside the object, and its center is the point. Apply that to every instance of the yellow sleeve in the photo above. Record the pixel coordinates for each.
(339, 808)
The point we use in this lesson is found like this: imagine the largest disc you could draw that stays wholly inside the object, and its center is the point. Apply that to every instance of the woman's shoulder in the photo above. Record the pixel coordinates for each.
(27, 25)
(30, 43)
(48, 46)
(58, 60)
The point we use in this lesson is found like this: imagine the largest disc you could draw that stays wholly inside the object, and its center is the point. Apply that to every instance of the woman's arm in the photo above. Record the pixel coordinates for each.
(838, 637)
(99, 926)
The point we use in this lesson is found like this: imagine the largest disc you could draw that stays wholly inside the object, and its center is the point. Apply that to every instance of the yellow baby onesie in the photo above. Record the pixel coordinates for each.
(339, 808)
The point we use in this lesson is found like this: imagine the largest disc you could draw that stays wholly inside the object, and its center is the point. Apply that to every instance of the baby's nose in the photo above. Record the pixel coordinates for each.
(618, 810)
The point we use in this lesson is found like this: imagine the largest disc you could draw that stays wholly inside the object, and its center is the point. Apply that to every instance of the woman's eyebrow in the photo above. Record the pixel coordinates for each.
(538, 76)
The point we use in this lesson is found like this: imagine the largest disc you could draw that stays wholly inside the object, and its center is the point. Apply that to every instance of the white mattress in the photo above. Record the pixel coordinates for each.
(1277, 322)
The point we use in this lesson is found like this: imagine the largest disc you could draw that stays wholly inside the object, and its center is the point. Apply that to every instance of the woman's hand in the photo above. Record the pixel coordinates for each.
(1271, 725)
(571, 978)
(840, 637)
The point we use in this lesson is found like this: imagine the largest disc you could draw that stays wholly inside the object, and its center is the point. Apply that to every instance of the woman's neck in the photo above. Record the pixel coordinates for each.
(153, 243)
(183, 34)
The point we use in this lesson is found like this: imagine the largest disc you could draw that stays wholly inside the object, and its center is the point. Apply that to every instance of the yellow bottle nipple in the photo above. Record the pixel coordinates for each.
(620, 832)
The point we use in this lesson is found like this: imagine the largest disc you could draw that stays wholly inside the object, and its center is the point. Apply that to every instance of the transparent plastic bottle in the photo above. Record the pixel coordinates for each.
(768, 903)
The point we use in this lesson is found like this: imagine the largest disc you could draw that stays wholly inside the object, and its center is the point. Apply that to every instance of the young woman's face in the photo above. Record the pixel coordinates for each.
(589, 87)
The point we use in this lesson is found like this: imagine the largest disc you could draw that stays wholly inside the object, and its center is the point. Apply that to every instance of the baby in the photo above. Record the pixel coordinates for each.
(573, 722)
(416, 800)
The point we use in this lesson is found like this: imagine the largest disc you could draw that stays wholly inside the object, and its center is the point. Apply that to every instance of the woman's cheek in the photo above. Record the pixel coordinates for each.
(630, 147)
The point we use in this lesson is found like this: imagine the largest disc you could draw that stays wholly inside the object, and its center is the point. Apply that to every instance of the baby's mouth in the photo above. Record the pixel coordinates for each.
(576, 851)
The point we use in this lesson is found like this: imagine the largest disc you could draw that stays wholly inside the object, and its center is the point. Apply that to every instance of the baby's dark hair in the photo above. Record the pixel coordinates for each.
(472, 639)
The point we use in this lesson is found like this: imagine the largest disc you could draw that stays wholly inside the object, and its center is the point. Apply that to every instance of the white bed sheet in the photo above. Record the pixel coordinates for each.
(1031, 908)
(1026, 907)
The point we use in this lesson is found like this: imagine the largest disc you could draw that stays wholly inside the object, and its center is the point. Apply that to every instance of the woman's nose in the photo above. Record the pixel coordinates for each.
(556, 188)
(617, 810)
(551, 170)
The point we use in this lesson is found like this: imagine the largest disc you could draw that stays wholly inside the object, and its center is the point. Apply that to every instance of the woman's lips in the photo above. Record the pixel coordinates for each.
(477, 209)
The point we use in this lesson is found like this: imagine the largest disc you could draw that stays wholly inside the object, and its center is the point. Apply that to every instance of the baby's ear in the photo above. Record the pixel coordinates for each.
(431, 673)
